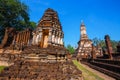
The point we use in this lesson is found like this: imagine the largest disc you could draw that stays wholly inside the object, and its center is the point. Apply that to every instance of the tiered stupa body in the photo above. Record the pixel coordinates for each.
(49, 30)
(85, 44)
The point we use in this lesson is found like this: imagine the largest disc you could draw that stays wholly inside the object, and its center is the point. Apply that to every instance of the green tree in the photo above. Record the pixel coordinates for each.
(96, 41)
(14, 13)
(102, 43)
(70, 49)
(114, 44)
(32, 25)
(99, 42)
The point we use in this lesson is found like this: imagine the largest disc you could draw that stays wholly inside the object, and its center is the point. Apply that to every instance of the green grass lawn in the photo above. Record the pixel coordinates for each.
(1, 68)
(88, 75)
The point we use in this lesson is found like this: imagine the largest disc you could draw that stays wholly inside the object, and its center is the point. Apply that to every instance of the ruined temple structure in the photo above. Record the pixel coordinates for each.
(49, 30)
(8, 37)
(47, 42)
(93, 53)
(15, 40)
(22, 39)
(86, 49)
(44, 43)
(109, 46)
(43, 57)
(27, 70)
(85, 44)
(98, 51)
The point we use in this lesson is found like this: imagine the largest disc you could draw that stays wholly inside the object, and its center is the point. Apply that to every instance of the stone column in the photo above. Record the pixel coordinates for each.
(53, 37)
(17, 40)
(61, 40)
(50, 37)
(21, 37)
(24, 35)
(109, 46)
(56, 38)
(28, 39)
(13, 42)
(33, 39)
(25, 41)
(37, 39)
(40, 35)
(18, 37)
(93, 52)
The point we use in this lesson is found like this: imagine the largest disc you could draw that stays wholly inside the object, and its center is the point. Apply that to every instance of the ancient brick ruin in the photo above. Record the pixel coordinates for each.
(85, 47)
(93, 53)
(49, 30)
(85, 44)
(29, 70)
(38, 54)
(108, 45)
(14, 41)
(46, 40)
(8, 37)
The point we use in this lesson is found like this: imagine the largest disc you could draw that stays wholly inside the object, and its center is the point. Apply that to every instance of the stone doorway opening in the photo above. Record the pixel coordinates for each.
(44, 41)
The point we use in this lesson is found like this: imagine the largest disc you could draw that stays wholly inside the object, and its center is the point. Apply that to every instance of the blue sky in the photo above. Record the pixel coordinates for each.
(101, 17)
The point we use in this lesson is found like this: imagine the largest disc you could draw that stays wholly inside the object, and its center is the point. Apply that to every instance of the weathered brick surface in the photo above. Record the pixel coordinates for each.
(25, 70)
(109, 46)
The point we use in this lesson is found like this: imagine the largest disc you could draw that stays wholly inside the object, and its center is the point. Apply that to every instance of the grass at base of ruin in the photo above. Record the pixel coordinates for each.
(1, 68)
(88, 75)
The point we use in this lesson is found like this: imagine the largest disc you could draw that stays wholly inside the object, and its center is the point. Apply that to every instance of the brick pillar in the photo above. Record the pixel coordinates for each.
(21, 40)
(61, 41)
(25, 40)
(28, 39)
(108, 45)
(59, 38)
(13, 43)
(33, 39)
(18, 36)
(14, 39)
(50, 37)
(24, 35)
(93, 52)
(53, 37)
(56, 38)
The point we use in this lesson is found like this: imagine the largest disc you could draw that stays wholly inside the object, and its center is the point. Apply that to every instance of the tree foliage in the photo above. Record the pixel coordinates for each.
(70, 49)
(32, 25)
(102, 44)
(14, 13)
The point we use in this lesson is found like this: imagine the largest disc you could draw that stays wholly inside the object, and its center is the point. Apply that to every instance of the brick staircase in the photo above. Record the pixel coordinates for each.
(109, 67)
